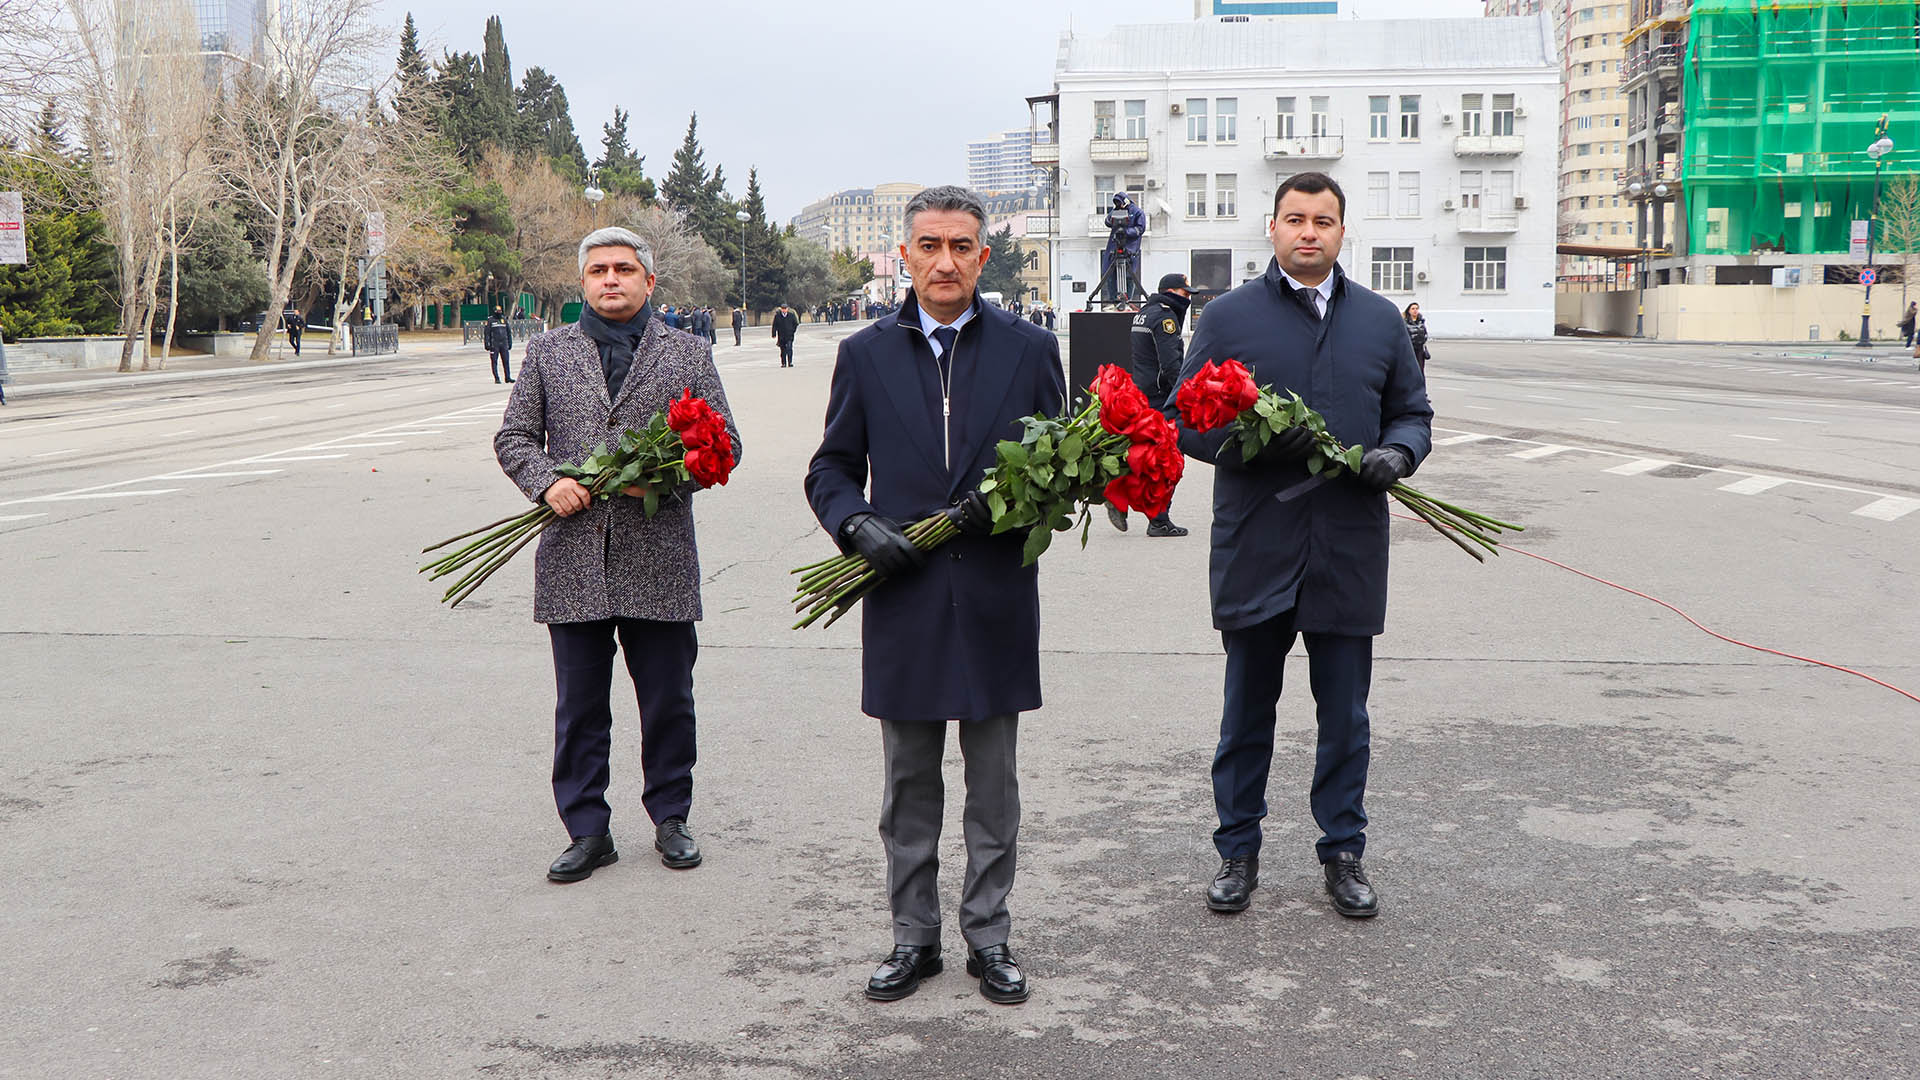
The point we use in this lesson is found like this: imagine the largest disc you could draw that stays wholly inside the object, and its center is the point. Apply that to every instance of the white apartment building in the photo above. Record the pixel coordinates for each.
(1003, 165)
(1442, 132)
(857, 219)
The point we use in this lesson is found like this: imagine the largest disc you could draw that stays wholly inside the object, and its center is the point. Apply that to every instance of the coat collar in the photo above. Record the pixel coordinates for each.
(993, 353)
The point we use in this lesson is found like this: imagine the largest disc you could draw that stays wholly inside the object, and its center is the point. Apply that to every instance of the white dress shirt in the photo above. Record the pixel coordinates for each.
(928, 324)
(1323, 292)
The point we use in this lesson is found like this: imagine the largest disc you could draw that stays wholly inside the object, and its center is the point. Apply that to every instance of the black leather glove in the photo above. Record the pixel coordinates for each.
(1287, 447)
(970, 514)
(884, 545)
(1384, 466)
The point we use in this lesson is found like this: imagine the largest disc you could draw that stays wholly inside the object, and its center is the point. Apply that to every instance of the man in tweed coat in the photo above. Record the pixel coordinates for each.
(604, 571)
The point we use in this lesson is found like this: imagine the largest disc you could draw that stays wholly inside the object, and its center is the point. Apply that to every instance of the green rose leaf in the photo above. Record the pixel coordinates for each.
(1036, 545)
(1354, 454)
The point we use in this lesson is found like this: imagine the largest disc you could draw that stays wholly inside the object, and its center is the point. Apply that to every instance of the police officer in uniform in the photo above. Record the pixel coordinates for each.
(1158, 351)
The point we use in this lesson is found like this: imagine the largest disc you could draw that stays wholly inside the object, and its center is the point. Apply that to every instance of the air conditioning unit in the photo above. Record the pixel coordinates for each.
(1252, 266)
(1176, 108)
(1519, 110)
(1153, 183)
(1446, 204)
(1446, 118)
(1421, 277)
(1519, 202)
(1786, 277)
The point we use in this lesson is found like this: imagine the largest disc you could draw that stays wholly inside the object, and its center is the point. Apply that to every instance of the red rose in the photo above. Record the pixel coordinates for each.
(1216, 395)
(711, 465)
(1123, 408)
(1154, 468)
(694, 420)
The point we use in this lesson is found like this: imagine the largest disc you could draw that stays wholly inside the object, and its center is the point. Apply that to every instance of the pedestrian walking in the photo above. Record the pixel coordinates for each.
(1155, 366)
(1907, 322)
(1295, 554)
(1417, 334)
(497, 337)
(608, 578)
(917, 405)
(295, 327)
(786, 323)
(4, 377)
(739, 321)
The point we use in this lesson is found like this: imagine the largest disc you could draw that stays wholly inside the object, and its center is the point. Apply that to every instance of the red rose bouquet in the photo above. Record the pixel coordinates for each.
(1224, 396)
(687, 444)
(1118, 449)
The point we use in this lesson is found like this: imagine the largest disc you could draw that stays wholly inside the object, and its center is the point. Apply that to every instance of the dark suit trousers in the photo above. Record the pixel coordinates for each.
(1340, 670)
(660, 658)
(910, 816)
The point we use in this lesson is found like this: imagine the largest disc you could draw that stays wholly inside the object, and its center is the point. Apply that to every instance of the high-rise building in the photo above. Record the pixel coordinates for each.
(1593, 136)
(1651, 81)
(227, 27)
(1003, 165)
(1265, 9)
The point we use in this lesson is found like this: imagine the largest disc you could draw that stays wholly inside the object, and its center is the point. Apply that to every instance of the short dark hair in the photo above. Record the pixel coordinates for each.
(1310, 183)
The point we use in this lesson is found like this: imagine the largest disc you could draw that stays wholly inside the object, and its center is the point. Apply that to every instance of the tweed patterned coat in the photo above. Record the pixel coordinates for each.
(608, 560)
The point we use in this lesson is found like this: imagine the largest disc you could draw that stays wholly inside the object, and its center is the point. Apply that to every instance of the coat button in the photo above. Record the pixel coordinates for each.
(954, 555)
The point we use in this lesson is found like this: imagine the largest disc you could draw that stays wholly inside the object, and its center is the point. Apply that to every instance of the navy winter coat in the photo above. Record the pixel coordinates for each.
(958, 639)
(1283, 540)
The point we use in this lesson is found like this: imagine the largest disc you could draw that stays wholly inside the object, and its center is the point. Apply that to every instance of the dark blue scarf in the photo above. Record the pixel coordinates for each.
(617, 342)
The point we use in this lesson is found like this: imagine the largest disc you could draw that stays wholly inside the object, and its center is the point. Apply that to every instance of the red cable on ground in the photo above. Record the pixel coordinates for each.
(1691, 619)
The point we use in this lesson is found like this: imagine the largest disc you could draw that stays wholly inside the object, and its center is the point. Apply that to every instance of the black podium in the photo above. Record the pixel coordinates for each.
(1095, 338)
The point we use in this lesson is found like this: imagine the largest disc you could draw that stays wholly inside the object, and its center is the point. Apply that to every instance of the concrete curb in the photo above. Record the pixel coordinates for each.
(19, 386)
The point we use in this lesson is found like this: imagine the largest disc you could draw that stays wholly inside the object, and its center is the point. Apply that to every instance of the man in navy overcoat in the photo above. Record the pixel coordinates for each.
(919, 401)
(1299, 554)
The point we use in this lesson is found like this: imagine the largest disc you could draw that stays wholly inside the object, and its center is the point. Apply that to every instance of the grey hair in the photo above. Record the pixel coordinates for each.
(947, 197)
(615, 236)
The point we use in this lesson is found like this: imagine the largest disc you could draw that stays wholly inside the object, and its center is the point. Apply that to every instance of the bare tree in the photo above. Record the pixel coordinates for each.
(143, 92)
(549, 218)
(300, 130)
(1899, 227)
(689, 269)
(35, 55)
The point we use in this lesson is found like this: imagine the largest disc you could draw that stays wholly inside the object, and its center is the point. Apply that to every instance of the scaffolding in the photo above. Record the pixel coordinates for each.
(1782, 100)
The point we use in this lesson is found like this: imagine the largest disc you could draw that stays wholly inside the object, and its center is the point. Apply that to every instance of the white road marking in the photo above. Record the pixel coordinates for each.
(1657, 408)
(363, 445)
(20, 517)
(1455, 440)
(1543, 397)
(1597, 420)
(219, 475)
(269, 416)
(1753, 485)
(1889, 508)
(1755, 438)
(1795, 420)
(99, 495)
(302, 457)
(338, 405)
(172, 434)
(1635, 468)
(405, 433)
(56, 453)
(1481, 408)
(1539, 452)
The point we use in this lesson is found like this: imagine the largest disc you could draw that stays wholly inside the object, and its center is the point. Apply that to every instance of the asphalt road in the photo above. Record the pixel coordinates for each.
(269, 811)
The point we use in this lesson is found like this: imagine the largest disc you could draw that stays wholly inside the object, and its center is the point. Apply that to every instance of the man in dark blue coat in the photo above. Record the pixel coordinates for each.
(918, 403)
(1299, 554)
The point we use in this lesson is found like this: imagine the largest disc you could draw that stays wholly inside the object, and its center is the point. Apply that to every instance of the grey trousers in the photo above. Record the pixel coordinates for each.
(910, 815)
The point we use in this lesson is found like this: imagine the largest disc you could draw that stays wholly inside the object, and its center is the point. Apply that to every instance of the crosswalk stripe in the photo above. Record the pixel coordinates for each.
(1753, 485)
(1635, 468)
(1539, 452)
(1889, 508)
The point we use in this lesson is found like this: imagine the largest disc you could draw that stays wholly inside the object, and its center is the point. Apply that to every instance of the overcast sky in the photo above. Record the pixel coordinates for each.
(819, 95)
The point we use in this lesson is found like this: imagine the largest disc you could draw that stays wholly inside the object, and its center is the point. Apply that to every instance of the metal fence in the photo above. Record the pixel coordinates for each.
(372, 340)
(474, 330)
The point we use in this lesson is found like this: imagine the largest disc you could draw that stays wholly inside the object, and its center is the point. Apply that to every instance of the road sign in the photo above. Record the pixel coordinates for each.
(1857, 244)
(376, 234)
(13, 229)
(1868, 277)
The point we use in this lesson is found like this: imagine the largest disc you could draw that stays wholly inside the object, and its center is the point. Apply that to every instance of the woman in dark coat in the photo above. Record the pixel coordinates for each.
(1417, 330)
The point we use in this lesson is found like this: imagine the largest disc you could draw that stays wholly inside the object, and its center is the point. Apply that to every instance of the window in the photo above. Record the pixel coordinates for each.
(1470, 189)
(1392, 269)
(1409, 194)
(1503, 114)
(1583, 202)
(1196, 119)
(1211, 269)
(1135, 184)
(1136, 117)
(1103, 190)
(1103, 119)
(1283, 124)
(1226, 113)
(1377, 117)
(1582, 123)
(1377, 194)
(1409, 117)
(1226, 195)
(1486, 269)
(1196, 195)
(1470, 113)
(1319, 124)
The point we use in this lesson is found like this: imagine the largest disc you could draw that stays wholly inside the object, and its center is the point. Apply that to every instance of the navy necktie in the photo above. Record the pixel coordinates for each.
(1310, 297)
(945, 335)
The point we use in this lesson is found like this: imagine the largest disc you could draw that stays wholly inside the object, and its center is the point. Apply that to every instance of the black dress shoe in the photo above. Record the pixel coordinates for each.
(1117, 516)
(675, 845)
(900, 973)
(1347, 883)
(1001, 980)
(1232, 888)
(1164, 527)
(582, 858)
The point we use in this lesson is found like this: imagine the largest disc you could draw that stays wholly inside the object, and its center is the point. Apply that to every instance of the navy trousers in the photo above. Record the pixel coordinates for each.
(1340, 670)
(660, 658)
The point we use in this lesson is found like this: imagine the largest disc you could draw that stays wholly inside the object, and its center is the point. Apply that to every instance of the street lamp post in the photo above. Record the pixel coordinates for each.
(1882, 146)
(741, 216)
(1635, 190)
(594, 195)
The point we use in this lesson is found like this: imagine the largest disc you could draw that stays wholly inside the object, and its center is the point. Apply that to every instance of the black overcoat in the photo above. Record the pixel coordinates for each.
(960, 638)
(1281, 539)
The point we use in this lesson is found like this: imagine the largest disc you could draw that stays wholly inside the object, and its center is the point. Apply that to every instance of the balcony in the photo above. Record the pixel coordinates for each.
(1488, 145)
(1046, 155)
(1116, 150)
(1306, 148)
(1483, 219)
(1042, 225)
(1665, 172)
(1669, 122)
(1663, 62)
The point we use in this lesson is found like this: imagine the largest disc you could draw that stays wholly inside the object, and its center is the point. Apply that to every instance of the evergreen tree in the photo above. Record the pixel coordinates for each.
(52, 135)
(67, 285)
(220, 278)
(1002, 272)
(619, 169)
(543, 124)
(686, 184)
(766, 251)
(496, 70)
(414, 76)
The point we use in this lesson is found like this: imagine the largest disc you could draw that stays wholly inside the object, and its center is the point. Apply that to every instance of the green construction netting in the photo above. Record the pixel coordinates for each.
(1782, 101)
